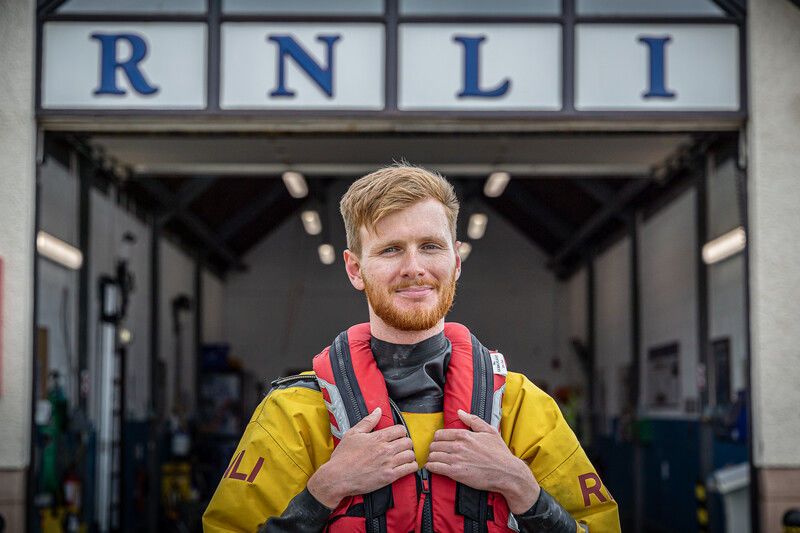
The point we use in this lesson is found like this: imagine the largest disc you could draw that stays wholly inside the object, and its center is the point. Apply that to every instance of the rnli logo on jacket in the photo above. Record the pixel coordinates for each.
(233, 471)
(590, 485)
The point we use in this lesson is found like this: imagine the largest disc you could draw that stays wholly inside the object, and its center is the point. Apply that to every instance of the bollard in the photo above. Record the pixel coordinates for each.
(791, 521)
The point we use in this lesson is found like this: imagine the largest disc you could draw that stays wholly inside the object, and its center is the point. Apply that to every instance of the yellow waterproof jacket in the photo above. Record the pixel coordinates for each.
(289, 437)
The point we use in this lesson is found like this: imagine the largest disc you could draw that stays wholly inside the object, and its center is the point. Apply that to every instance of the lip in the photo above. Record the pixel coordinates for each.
(416, 292)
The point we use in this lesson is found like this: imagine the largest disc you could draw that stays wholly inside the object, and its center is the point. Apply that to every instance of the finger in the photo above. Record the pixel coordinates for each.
(401, 445)
(449, 434)
(446, 446)
(391, 433)
(405, 469)
(368, 423)
(441, 457)
(475, 422)
(440, 468)
(404, 457)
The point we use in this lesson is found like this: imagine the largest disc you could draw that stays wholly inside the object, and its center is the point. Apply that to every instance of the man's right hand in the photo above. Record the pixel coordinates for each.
(364, 461)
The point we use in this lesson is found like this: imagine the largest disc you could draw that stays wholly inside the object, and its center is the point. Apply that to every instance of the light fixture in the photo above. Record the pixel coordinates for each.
(326, 254)
(58, 251)
(311, 222)
(295, 184)
(496, 184)
(477, 226)
(464, 250)
(724, 246)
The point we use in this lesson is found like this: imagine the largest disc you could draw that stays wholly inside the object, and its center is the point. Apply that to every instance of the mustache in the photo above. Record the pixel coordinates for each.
(418, 283)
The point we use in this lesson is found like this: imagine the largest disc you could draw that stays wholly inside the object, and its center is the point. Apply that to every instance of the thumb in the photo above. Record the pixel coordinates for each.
(368, 423)
(475, 422)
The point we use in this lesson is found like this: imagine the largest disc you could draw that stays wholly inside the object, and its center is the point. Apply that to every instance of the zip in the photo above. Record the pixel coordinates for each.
(482, 382)
(425, 513)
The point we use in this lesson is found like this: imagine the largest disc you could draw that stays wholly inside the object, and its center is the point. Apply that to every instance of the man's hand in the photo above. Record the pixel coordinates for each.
(481, 460)
(364, 461)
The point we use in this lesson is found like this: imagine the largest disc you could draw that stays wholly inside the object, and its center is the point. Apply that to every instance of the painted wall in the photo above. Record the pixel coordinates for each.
(17, 181)
(774, 191)
(612, 329)
(288, 306)
(177, 277)
(668, 295)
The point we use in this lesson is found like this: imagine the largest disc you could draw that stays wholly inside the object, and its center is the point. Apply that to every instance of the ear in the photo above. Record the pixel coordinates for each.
(458, 260)
(353, 267)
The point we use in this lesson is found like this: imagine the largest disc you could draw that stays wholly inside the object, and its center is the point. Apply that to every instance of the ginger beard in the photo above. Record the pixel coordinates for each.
(420, 317)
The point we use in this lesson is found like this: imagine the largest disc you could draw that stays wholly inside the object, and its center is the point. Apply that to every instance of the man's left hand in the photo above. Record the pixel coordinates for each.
(478, 458)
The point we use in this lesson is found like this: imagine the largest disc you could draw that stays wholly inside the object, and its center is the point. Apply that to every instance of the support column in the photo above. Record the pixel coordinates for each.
(17, 249)
(774, 193)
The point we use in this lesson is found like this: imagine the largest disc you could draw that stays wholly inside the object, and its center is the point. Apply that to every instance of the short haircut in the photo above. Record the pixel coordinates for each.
(388, 190)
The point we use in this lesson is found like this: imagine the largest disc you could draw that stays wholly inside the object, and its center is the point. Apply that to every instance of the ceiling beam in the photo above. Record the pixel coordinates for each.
(601, 192)
(733, 8)
(251, 211)
(538, 211)
(608, 211)
(195, 225)
(186, 195)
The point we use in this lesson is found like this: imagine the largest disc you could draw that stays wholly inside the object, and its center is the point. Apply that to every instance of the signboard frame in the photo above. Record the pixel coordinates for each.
(391, 18)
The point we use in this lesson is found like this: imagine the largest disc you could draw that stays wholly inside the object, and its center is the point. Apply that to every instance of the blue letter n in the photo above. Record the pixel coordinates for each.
(656, 49)
(322, 76)
(109, 63)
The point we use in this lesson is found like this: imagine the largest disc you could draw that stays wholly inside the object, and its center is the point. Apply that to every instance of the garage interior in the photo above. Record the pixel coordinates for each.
(589, 274)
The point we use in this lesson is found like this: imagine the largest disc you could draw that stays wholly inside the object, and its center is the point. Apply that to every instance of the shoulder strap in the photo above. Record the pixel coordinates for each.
(475, 383)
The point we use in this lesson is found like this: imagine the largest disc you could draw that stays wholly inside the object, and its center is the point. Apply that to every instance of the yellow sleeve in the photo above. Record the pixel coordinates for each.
(535, 430)
(285, 442)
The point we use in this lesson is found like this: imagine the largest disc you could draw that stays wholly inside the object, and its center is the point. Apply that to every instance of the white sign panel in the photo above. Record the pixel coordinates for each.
(657, 67)
(302, 66)
(115, 65)
(479, 66)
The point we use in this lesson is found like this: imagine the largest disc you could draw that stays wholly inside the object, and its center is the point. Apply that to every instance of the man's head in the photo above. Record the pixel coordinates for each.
(400, 224)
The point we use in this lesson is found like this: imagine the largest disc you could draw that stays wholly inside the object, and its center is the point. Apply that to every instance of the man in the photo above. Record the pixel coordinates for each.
(408, 423)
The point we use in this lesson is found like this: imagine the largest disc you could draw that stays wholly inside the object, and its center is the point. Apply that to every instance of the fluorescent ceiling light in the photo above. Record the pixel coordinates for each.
(464, 250)
(311, 222)
(477, 226)
(724, 246)
(59, 251)
(326, 254)
(296, 184)
(496, 184)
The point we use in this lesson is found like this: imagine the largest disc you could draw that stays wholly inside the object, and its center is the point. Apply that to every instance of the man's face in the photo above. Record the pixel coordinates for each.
(408, 267)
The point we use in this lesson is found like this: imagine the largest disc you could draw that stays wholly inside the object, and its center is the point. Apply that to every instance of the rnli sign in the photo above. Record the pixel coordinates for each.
(343, 66)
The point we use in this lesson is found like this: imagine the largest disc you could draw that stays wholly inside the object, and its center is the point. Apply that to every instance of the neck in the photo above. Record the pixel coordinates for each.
(383, 331)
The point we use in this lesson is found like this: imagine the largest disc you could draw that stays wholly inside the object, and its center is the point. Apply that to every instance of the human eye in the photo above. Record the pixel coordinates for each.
(431, 246)
(390, 250)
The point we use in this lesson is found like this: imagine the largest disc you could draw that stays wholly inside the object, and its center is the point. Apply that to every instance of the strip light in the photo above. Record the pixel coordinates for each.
(295, 184)
(477, 226)
(464, 250)
(58, 251)
(326, 254)
(311, 222)
(496, 184)
(724, 246)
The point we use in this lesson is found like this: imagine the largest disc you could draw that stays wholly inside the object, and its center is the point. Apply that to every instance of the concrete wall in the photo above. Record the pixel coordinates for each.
(177, 277)
(613, 328)
(668, 296)
(17, 181)
(288, 305)
(774, 191)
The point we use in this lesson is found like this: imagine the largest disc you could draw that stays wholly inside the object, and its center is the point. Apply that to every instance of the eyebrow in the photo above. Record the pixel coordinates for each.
(395, 242)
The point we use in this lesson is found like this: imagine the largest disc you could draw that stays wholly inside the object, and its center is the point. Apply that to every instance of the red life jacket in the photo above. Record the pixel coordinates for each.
(353, 386)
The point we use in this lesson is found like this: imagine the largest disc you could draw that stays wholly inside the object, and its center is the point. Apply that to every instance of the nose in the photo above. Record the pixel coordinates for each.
(412, 267)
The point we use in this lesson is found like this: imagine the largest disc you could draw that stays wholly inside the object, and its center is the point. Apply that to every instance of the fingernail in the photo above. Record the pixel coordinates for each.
(377, 410)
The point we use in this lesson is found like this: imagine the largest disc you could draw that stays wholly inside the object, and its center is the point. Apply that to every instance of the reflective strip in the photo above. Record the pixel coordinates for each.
(512, 522)
(336, 407)
(497, 407)
(584, 527)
